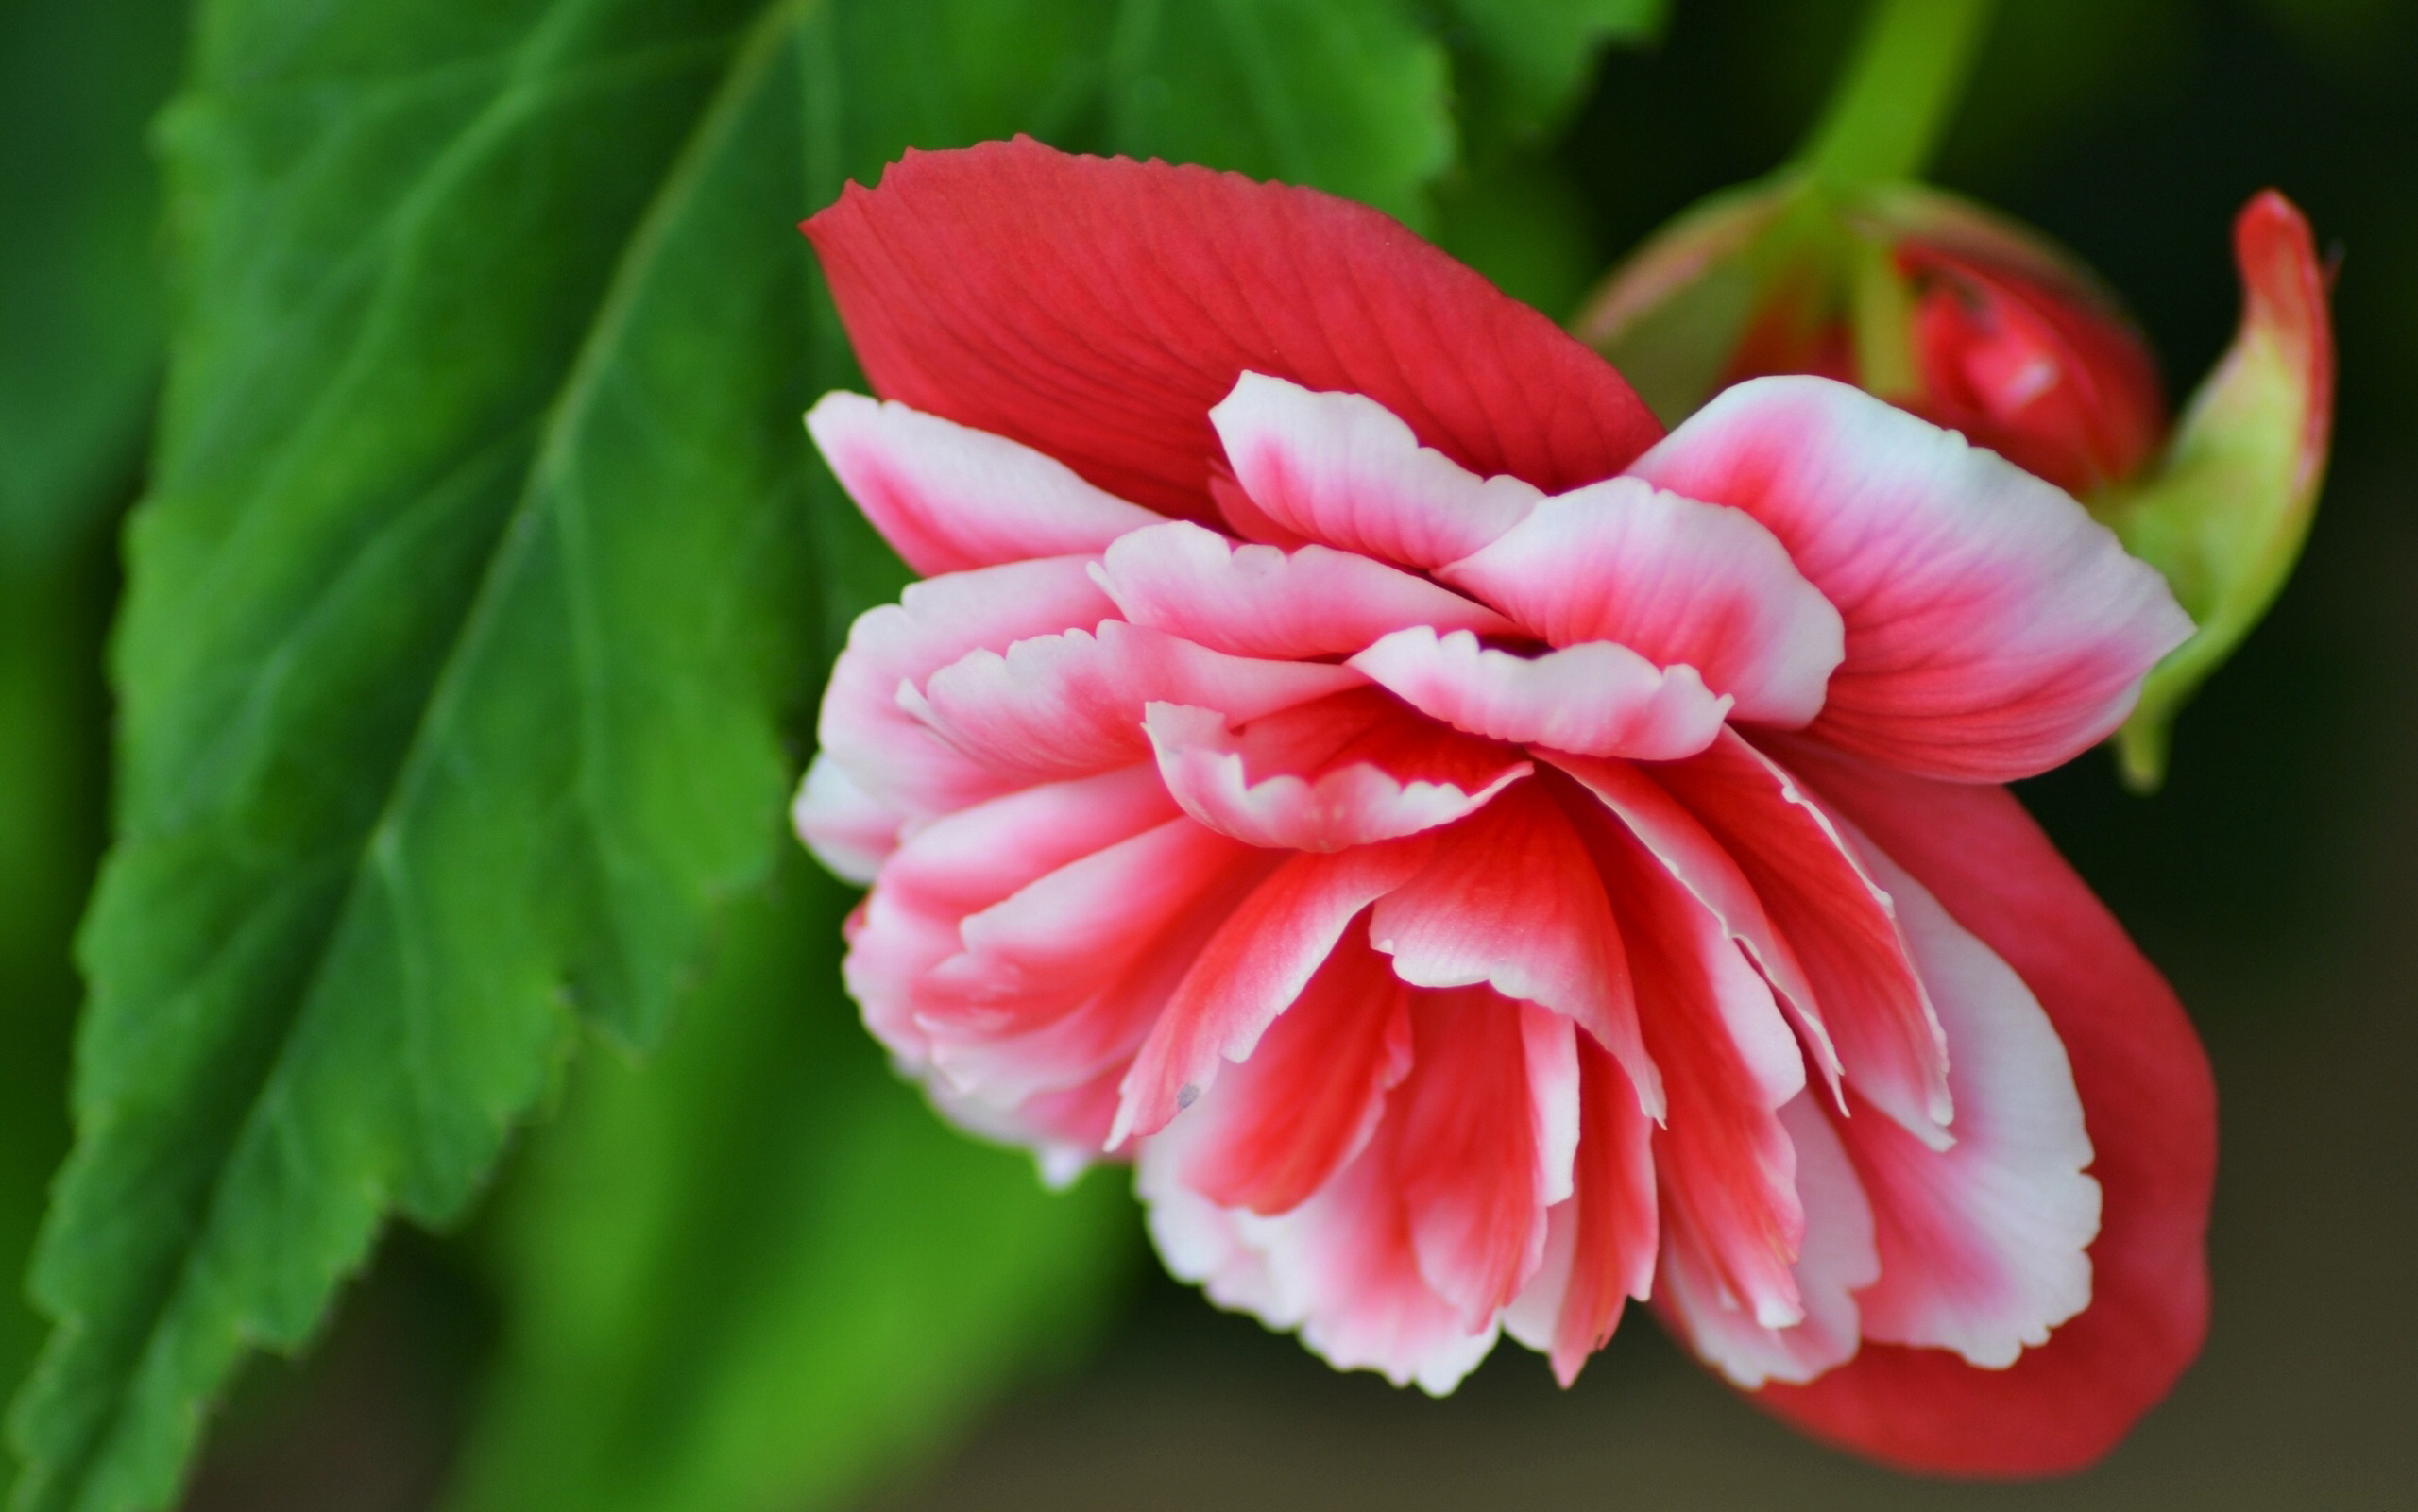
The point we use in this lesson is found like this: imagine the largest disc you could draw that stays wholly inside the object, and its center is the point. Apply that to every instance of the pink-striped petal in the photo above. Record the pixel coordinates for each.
(1061, 705)
(1836, 1262)
(1842, 923)
(1489, 1119)
(889, 752)
(1512, 901)
(1307, 1100)
(948, 498)
(967, 862)
(1596, 697)
(1600, 1242)
(1259, 601)
(1985, 1246)
(1697, 863)
(1993, 628)
(1725, 1167)
(2150, 1107)
(1341, 469)
(1402, 777)
(1678, 582)
(1253, 970)
(1342, 1267)
(849, 830)
(1055, 942)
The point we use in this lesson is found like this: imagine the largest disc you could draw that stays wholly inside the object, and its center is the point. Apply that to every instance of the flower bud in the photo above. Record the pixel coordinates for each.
(2226, 510)
(1977, 324)
(1923, 298)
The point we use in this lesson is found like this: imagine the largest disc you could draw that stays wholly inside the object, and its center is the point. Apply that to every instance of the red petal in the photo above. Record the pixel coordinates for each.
(1994, 629)
(1513, 901)
(1095, 309)
(1727, 1168)
(1841, 924)
(1474, 1161)
(1252, 970)
(2150, 1104)
(1351, 770)
(2284, 288)
(1310, 1094)
(1600, 1245)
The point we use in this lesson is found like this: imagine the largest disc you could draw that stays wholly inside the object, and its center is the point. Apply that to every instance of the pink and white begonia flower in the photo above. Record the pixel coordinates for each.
(1484, 860)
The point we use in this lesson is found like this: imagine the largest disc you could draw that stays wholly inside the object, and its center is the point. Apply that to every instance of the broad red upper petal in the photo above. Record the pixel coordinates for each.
(1095, 309)
(2149, 1104)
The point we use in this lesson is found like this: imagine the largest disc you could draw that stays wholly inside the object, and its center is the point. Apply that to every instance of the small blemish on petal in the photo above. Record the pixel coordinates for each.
(1187, 1095)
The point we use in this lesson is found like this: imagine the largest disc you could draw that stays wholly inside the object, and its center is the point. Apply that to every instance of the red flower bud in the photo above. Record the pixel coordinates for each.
(1934, 304)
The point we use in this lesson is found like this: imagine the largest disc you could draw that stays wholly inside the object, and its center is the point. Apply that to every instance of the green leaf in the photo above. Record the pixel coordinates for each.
(1348, 95)
(53, 744)
(1535, 56)
(483, 573)
(459, 626)
(79, 302)
(741, 1277)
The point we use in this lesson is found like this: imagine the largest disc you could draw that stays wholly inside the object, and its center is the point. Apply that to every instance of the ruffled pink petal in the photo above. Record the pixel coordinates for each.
(1041, 1065)
(1341, 1267)
(1600, 1242)
(1993, 628)
(1062, 1128)
(1512, 901)
(1096, 310)
(1842, 925)
(1253, 970)
(1396, 776)
(1258, 601)
(1836, 1262)
(1339, 469)
(965, 862)
(1596, 697)
(1697, 863)
(849, 830)
(1307, 1100)
(1725, 1167)
(1678, 582)
(2148, 1105)
(1061, 705)
(1489, 1118)
(1982, 1245)
(887, 751)
(1057, 941)
(948, 498)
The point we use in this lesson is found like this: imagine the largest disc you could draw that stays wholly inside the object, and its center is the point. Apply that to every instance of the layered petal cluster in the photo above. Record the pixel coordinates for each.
(1483, 860)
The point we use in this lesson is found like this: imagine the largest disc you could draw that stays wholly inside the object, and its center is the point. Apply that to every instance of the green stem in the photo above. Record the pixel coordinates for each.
(1886, 114)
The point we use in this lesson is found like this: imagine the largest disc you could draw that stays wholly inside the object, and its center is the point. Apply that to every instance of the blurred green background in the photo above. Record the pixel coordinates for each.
(734, 1273)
